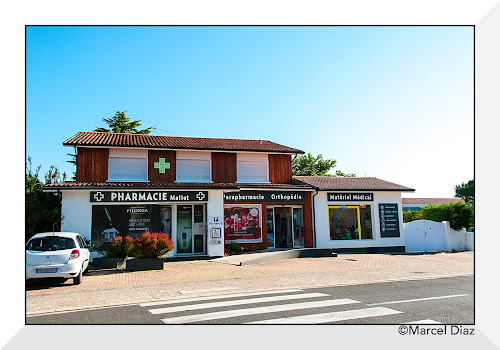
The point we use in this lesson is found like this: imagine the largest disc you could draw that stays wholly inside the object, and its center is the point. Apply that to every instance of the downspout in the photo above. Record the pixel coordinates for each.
(314, 218)
(60, 203)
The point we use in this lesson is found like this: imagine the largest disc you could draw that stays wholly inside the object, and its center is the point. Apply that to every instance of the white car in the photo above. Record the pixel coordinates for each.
(57, 254)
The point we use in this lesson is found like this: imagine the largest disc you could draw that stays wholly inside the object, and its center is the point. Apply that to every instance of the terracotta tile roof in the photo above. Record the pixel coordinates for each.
(332, 183)
(84, 138)
(434, 201)
(162, 185)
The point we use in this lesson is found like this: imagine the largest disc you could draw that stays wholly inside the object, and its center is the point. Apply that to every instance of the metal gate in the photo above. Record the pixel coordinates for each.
(424, 236)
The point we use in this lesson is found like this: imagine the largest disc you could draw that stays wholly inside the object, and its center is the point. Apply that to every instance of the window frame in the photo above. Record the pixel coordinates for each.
(247, 158)
(128, 154)
(358, 214)
(192, 156)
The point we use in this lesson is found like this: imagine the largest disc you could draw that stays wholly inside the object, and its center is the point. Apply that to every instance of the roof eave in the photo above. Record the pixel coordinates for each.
(185, 148)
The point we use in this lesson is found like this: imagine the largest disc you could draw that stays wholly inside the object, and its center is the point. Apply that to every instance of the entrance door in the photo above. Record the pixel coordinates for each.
(191, 229)
(199, 229)
(283, 227)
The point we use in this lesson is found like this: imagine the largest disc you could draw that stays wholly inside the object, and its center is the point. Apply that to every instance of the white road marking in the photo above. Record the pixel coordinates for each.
(421, 299)
(257, 310)
(77, 310)
(424, 322)
(331, 316)
(215, 297)
(205, 290)
(235, 302)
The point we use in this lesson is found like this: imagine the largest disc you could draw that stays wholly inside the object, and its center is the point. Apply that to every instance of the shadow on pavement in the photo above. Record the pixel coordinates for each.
(46, 283)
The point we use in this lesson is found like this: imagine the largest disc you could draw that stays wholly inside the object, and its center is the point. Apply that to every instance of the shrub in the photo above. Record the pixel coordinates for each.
(254, 247)
(409, 216)
(118, 247)
(232, 248)
(151, 245)
(459, 215)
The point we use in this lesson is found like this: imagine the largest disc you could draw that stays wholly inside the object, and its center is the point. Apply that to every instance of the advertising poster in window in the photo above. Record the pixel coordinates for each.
(242, 224)
(109, 221)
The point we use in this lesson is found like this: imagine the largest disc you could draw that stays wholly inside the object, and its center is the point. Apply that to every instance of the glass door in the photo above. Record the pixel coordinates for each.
(270, 228)
(191, 229)
(199, 229)
(285, 227)
(184, 229)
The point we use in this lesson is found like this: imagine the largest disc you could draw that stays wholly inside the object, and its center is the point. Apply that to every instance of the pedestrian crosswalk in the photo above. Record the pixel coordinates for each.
(291, 306)
(331, 316)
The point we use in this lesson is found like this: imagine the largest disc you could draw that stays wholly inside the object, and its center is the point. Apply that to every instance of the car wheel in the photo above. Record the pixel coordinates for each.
(78, 279)
(86, 271)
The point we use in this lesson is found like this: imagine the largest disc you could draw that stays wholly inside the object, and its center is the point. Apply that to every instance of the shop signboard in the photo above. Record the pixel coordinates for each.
(389, 219)
(349, 197)
(242, 224)
(264, 196)
(148, 196)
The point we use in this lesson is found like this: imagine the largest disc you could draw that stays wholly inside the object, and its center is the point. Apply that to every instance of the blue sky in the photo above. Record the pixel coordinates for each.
(391, 102)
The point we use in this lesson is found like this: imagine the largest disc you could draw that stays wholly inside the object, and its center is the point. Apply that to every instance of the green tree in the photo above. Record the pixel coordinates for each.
(42, 209)
(308, 165)
(465, 191)
(342, 174)
(120, 123)
(72, 161)
(54, 175)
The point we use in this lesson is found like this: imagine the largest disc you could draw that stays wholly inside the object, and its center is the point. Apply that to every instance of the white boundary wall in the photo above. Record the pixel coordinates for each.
(427, 235)
(323, 230)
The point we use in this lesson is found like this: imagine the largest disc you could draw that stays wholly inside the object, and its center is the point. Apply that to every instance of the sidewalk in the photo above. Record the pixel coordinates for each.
(196, 278)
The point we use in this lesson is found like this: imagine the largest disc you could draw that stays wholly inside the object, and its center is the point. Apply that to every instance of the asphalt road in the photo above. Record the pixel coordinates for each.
(444, 300)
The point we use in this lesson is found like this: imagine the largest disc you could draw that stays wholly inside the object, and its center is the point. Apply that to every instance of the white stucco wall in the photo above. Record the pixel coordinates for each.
(77, 212)
(77, 216)
(215, 209)
(322, 223)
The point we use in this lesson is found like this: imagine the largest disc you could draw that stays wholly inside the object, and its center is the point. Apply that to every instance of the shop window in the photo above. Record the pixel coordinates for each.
(193, 166)
(128, 165)
(109, 221)
(242, 224)
(298, 228)
(252, 168)
(350, 222)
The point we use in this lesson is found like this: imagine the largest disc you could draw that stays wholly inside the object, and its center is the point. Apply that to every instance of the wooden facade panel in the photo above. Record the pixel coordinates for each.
(92, 164)
(154, 174)
(280, 168)
(308, 222)
(224, 167)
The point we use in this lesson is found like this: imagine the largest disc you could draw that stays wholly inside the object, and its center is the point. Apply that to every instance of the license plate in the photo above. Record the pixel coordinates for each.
(46, 270)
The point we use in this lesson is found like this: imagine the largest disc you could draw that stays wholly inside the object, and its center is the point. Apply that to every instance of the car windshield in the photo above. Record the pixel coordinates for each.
(51, 243)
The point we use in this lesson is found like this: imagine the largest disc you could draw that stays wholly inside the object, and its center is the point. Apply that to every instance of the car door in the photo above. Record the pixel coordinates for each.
(84, 250)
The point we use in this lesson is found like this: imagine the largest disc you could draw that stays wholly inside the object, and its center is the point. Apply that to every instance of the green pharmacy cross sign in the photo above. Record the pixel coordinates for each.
(162, 165)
